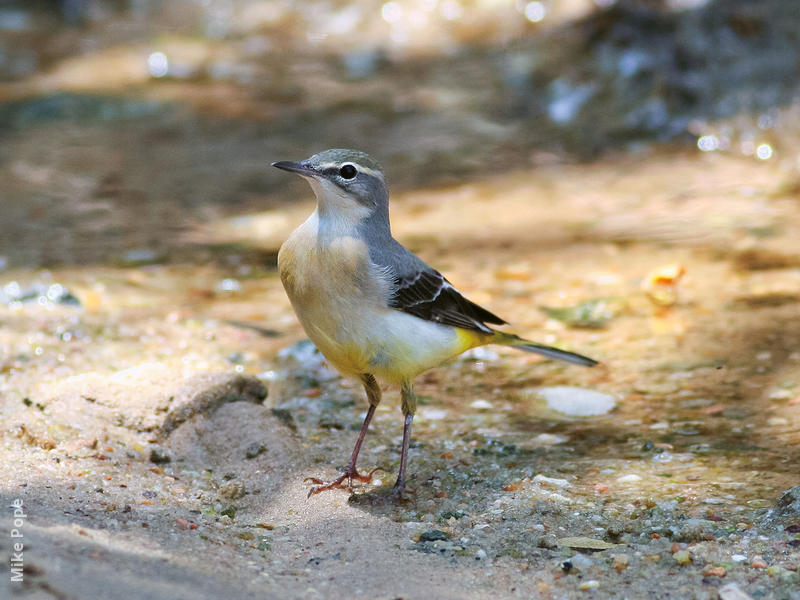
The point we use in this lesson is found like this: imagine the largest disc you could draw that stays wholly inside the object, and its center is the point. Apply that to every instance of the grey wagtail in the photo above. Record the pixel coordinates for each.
(374, 309)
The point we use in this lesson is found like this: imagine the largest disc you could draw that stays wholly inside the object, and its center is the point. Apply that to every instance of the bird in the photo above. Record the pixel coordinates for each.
(375, 310)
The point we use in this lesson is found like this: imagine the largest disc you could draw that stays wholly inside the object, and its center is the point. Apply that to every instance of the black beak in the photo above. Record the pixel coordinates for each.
(295, 167)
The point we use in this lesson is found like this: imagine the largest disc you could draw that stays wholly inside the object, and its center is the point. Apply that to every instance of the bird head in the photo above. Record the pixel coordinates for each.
(345, 182)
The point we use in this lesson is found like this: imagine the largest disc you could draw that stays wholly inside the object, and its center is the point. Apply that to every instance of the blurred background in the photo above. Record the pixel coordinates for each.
(125, 125)
(618, 178)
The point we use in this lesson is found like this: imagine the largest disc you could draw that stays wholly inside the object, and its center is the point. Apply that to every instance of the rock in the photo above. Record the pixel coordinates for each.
(712, 571)
(562, 483)
(581, 562)
(682, 557)
(254, 450)
(206, 393)
(233, 490)
(731, 591)
(695, 530)
(147, 398)
(779, 572)
(433, 535)
(481, 404)
(304, 361)
(546, 439)
(786, 509)
(576, 402)
(619, 561)
(228, 285)
(159, 456)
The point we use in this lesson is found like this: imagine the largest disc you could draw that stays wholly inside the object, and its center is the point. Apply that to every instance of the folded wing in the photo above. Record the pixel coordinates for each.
(428, 295)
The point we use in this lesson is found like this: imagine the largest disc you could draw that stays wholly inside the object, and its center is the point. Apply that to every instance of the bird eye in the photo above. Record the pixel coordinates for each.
(348, 171)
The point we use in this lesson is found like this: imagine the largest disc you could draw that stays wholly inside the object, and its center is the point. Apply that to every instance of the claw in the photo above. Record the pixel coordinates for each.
(349, 476)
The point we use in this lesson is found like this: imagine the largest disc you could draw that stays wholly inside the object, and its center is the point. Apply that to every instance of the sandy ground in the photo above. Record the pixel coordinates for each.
(158, 441)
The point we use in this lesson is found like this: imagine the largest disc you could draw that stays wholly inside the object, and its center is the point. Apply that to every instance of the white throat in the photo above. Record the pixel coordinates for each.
(338, 213)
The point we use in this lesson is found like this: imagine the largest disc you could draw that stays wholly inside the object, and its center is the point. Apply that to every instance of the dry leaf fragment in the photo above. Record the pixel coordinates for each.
(661, 284)
(585, 543)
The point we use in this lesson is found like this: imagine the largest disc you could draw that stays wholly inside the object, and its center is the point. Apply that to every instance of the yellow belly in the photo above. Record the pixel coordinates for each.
(342, 304)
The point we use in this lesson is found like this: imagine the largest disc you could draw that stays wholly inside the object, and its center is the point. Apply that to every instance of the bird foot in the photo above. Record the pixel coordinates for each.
(398, 495)
(349, 476)
(384, 496)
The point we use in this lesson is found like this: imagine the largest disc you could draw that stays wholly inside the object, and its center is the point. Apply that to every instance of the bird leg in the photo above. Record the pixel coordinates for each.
(409, 406)
(351, 473)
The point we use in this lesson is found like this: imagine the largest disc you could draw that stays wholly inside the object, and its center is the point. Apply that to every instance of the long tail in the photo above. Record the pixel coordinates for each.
(509, 339)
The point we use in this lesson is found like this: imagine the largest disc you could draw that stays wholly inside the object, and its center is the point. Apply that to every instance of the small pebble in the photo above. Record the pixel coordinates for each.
(592, 584)
(433, 414)
(712, 571)
(481, 405)
(233, 490)
(562, 483)
(433, 535)
(254, 450)
(629, 478)
(619, 561)
(480, 554)
(228, 285)
(159, 456)
(581, 562)
(758, 563)
(732, 591)
(682, 557)
(738, 558)
(548, 439)
(652, 557)
(576, 402)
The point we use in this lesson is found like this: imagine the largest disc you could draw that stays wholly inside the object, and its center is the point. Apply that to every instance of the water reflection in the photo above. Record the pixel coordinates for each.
(169, 112)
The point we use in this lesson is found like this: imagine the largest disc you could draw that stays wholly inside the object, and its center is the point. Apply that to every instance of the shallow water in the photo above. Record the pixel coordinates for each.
(706, 389)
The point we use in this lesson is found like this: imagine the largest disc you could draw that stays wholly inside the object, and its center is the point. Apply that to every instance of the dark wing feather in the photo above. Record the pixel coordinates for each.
(428, 295)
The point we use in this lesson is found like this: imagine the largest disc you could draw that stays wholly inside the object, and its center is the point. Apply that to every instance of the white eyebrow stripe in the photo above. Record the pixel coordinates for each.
(369, 171)
(361, 168)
